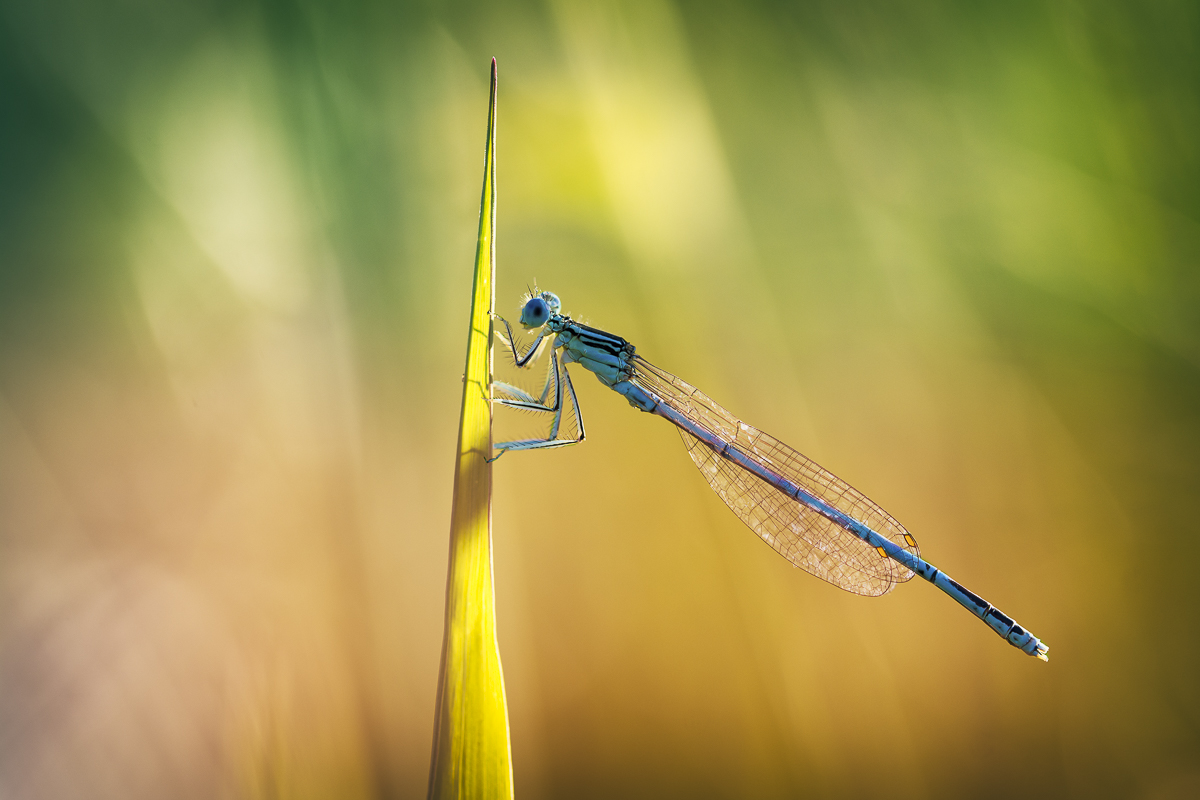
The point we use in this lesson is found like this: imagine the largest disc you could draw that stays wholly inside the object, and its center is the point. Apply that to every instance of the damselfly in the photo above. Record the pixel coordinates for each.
(811, 517)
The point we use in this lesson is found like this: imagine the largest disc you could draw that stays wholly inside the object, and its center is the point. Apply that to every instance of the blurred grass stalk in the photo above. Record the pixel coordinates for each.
(472, 757)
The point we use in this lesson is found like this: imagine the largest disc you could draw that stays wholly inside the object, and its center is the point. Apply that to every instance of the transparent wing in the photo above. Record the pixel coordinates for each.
(812, 542)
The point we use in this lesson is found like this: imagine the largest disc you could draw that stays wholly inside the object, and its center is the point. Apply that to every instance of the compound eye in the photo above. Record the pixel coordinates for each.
(535, 313)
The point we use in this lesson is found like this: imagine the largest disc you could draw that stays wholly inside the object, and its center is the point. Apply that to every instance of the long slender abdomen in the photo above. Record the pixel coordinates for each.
(997, 620)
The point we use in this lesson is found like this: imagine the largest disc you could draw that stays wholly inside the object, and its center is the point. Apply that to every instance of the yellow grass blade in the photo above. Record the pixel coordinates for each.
(471, 753)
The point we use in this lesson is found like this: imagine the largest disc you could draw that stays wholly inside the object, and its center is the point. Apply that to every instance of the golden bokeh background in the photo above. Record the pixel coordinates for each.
(947, 250)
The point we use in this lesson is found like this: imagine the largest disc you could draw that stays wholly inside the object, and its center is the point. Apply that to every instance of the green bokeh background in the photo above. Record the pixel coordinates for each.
(949, 251)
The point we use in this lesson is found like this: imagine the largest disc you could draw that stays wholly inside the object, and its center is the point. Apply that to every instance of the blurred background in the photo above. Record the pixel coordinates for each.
(948, 251)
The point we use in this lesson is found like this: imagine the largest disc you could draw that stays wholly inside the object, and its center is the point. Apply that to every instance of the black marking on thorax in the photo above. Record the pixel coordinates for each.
(595, 338)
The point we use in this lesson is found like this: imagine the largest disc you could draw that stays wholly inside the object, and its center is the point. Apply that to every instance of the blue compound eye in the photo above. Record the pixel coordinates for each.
(535, 313)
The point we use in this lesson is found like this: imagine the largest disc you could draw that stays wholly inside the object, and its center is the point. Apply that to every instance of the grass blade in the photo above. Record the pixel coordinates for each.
(472, 757)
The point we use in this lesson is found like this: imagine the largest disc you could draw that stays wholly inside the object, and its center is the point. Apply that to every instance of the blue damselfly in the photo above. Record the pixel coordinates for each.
(810, 516)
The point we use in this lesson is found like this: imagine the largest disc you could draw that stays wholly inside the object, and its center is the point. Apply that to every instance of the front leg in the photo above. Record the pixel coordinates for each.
(534, 351)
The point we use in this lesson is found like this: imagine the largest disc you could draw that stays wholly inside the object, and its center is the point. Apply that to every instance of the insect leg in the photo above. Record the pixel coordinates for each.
(531, 354)
(563, 382)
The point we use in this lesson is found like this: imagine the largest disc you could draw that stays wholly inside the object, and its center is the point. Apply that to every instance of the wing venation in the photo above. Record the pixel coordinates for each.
(807, 539)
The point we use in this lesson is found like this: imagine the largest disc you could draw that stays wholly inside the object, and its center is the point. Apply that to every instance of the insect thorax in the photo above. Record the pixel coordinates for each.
(609, 357)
